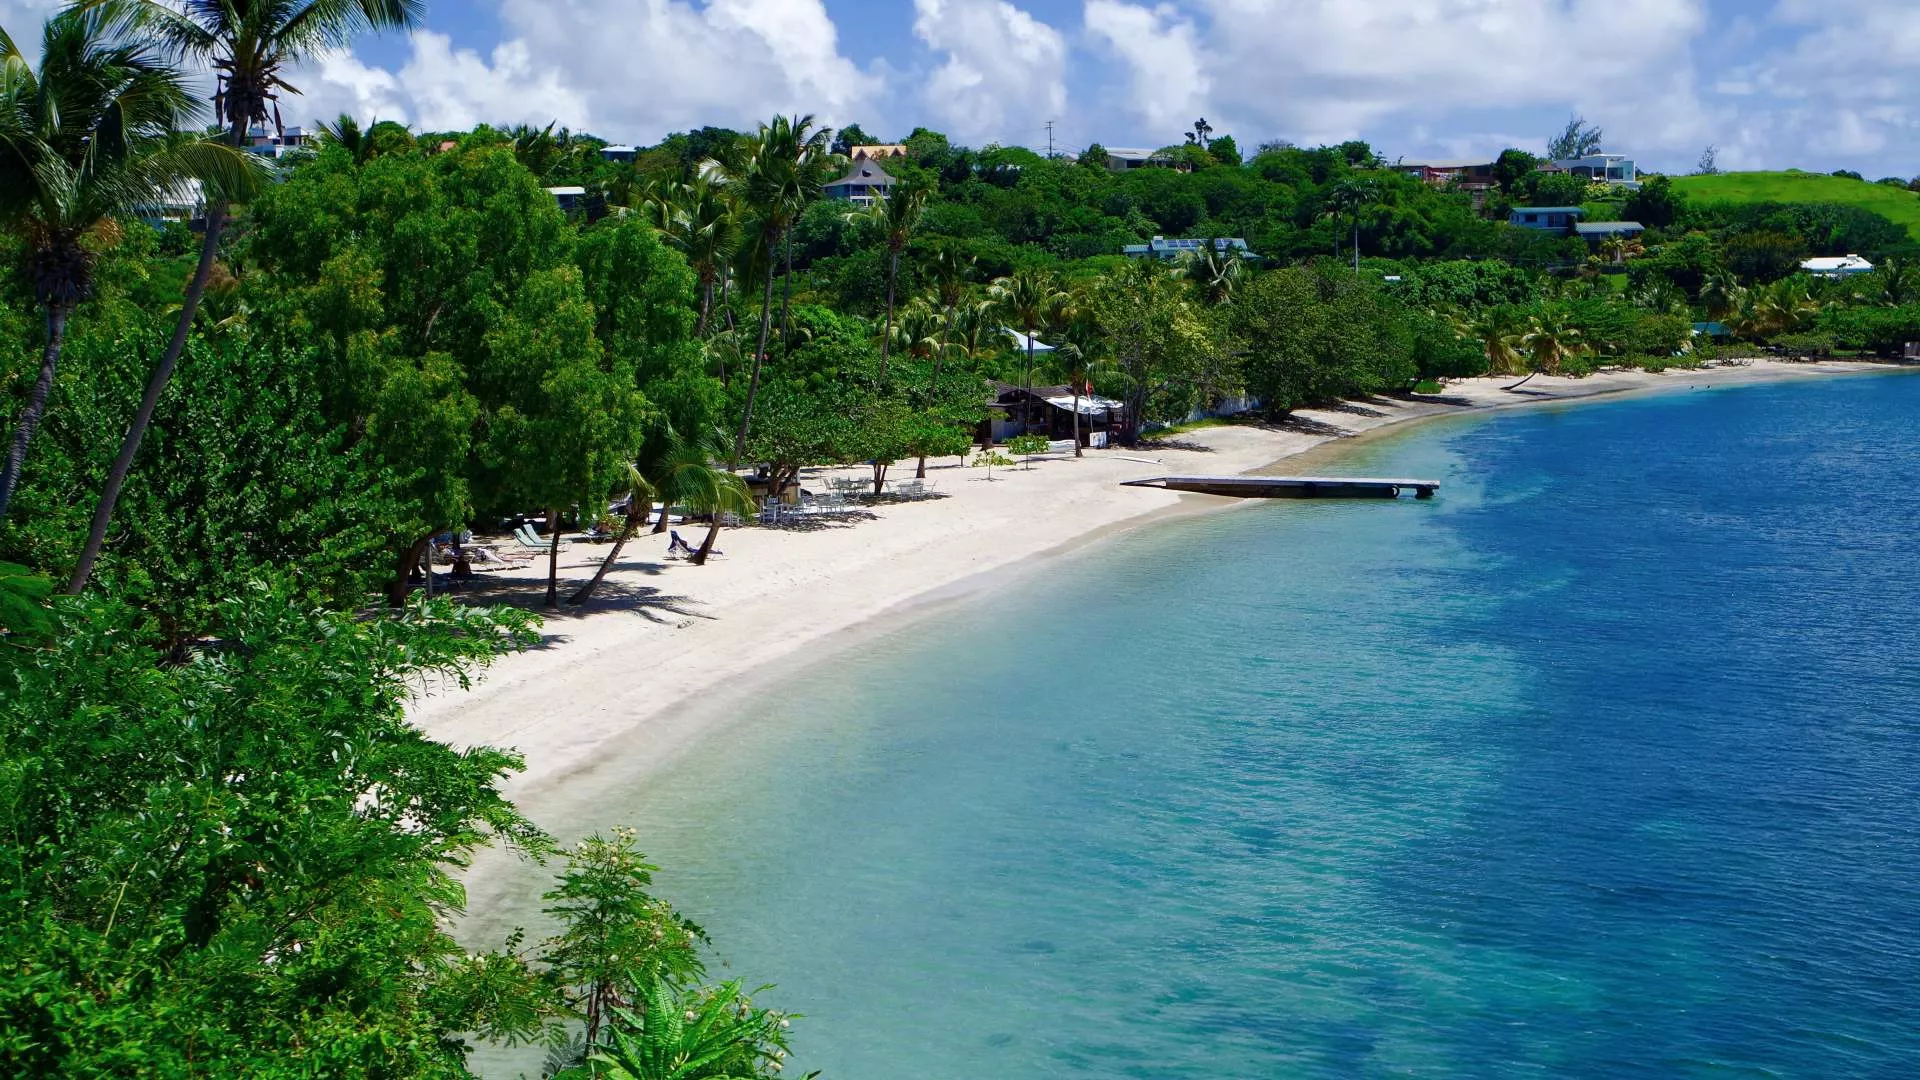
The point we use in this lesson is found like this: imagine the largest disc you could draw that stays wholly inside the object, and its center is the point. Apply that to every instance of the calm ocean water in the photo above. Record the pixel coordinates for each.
(1605, 763)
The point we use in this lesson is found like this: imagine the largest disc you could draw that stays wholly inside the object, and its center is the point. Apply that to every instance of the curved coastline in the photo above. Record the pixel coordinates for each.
(613, 697)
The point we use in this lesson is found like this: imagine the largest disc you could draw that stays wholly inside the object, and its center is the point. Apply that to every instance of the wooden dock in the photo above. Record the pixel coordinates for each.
(1292, 487)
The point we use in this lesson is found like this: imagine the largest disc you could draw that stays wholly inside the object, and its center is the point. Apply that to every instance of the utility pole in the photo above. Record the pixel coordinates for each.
(1049, 140)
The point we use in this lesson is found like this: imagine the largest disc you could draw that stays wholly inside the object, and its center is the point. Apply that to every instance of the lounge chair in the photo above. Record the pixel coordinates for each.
(534, 541)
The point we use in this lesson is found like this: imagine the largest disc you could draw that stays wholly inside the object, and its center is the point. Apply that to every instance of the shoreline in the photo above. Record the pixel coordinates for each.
(618, 691)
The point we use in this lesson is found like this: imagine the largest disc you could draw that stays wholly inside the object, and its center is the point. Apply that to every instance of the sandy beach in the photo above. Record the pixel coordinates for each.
(610, 688)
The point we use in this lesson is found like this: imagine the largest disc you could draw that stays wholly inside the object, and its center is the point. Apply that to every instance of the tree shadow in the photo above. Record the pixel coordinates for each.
(1302, 425)
(1176, 444)
(1353, 409)
(1411, 398)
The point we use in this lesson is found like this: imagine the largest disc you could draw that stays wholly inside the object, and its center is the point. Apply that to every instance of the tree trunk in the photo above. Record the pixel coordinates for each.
(666, 504)
(36, 405)
(397, 588)
(1356, 243)
(706, 305)
(753, 383)
(706, 546)
(786, 298)
(886, 339)
(879, 477)
(156, 385)
(1522, 382)
(553, 559)
(1076, 422)
(635, 518)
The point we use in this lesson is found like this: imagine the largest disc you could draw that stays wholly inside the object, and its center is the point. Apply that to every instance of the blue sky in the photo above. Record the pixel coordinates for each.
(1818, 84)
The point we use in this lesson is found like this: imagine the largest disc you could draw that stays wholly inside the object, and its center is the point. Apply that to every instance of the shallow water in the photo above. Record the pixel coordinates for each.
(1604, 763)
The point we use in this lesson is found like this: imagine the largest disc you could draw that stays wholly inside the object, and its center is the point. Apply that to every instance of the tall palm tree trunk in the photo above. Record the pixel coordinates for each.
(706, 305)
(666, 504)
(36, 404)
(1356, 243)
(553, 558)
(157, 382)
(786, 297)
(637, 513)
(886, 339)
(746, 414)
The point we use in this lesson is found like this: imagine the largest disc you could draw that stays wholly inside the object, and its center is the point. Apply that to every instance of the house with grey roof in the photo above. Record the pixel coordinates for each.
(865, 182)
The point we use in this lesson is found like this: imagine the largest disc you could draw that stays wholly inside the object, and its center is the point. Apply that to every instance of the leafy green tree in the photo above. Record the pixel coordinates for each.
(571, 417)
(85, 137)
(1164, 356)
(248, 43)
(1656, 205)
(616, 937)
(1511, 167)
(238, 862)
(675, 1033)
(1576, 140)
(1309, 334)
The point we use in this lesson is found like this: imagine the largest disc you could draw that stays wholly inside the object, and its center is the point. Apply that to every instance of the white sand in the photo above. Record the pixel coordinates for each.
(606, 692)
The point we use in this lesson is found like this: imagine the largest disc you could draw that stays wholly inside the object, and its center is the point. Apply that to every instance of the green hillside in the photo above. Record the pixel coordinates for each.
(1896, 204)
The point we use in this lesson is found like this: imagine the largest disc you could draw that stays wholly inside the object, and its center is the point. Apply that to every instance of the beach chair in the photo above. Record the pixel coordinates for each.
(533, 541)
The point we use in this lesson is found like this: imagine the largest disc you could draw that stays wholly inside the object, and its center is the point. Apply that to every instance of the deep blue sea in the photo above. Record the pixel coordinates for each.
(1605, 763)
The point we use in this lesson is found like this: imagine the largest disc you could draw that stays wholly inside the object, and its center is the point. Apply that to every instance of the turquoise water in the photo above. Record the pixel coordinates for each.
(1605, 763)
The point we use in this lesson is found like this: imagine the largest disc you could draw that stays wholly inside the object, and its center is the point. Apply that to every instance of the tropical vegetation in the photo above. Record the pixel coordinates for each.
(233, 436)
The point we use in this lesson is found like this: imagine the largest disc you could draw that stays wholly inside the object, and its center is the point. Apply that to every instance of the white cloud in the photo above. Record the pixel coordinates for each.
(625, 69)
(1330, 69)
(1168, 80)
(1004, 72)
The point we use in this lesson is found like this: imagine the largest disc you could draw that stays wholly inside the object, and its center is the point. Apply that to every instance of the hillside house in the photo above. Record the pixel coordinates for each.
(865, 182)
(1553, 219)
(618, 152)
(1612, 168)
(1837, 266)
(1162, 248)
(1469, 174)
(878, 152)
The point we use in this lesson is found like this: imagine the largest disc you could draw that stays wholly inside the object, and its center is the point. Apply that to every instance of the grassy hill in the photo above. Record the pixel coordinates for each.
(1896, 204)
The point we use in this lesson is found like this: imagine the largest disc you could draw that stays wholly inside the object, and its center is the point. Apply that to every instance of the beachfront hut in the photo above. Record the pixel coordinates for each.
(1048, 410)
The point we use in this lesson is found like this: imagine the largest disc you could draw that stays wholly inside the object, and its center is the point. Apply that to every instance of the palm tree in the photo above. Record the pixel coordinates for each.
(1780, 308)
(248, 43)
(922, 334)
(699, 219)
(1349, 198)
(1214, 271)
(1549, 341)
(1899, 282)
(87, 136)
(896, 215)
(639, 504)
(713, 492)
(1722, 293)
(1029, 299)
(1618, 249)
(1495, 332)
(776, 173)
(347, 134)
